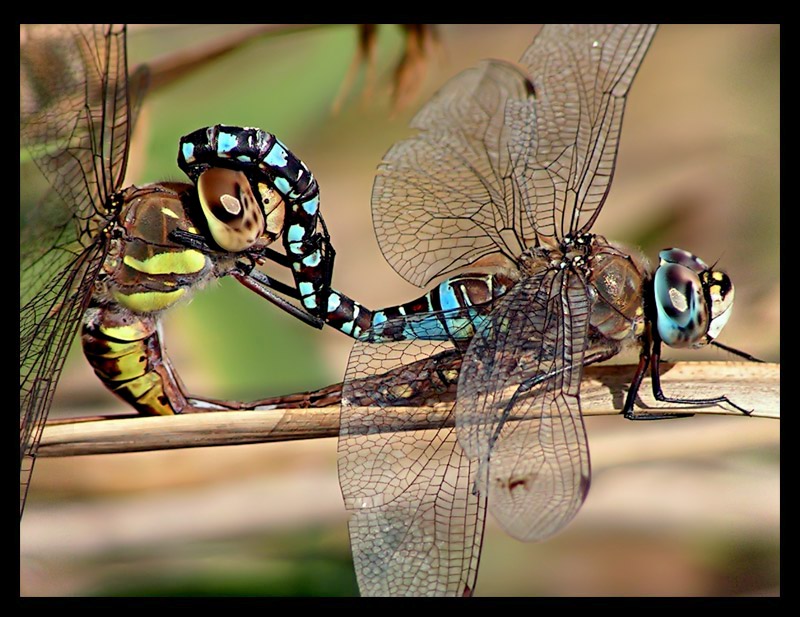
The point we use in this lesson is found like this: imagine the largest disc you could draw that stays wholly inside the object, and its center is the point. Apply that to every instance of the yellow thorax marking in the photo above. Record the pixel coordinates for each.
(187, 261)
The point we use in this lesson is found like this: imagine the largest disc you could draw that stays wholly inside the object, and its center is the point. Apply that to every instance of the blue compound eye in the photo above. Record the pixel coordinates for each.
(682, 310)
(683, 258)
(693, 303)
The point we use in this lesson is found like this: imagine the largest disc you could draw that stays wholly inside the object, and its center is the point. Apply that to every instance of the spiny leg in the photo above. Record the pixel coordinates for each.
(653, 359)
(660, 396)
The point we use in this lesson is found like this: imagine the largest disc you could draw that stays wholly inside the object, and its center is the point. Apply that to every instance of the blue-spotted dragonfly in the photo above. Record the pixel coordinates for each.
(502, 185)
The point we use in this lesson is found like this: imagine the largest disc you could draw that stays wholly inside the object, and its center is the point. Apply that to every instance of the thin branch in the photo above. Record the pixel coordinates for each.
(409, 72)
(168, 68)
(753, 386)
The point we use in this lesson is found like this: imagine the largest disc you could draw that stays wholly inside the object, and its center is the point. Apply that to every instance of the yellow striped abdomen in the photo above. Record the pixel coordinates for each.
(125, 351)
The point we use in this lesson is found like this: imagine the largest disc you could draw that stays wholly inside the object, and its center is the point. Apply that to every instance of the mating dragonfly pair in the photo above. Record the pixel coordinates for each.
(497, 194)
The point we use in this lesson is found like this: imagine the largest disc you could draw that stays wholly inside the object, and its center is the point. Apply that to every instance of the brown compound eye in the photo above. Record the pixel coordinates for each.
(234, 217)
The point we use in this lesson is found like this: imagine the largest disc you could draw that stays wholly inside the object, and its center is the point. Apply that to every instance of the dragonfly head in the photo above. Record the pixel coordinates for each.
(693, 302)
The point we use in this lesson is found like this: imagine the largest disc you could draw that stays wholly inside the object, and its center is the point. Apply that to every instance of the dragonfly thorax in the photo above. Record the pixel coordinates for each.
(574, 252)
(616, 278)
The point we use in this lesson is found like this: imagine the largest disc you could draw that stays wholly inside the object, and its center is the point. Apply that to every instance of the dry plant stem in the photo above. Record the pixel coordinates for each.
(754, 386)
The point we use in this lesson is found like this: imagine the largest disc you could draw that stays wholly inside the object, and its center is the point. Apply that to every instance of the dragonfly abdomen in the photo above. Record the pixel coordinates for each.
(270, 166)
(453, 310)
(125, 352)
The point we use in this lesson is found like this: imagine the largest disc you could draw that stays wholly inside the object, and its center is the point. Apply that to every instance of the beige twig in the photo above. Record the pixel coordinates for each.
(752, 386)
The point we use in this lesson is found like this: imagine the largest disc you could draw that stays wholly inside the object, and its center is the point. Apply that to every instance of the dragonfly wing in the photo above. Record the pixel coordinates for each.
(444, 198)
(138, 86)
(46, 330)
(74, 119)
(504, 159)
(518, 411)
(416, 527)
(581, 75)
(74, 127)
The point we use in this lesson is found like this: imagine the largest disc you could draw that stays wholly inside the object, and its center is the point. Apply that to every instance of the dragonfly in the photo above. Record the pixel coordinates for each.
(499, 190)
(111, 259)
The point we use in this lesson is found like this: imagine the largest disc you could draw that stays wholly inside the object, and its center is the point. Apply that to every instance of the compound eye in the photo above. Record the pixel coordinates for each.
(683, 315)
(232, 212)
(683, 258)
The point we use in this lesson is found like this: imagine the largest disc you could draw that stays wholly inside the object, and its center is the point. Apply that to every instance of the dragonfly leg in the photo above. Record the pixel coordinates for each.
(653, 359)
(264, 285)
(660, 396)
(323, 241)
(629, 412)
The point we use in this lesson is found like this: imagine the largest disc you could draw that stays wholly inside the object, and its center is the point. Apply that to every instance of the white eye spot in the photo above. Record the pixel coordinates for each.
(595, 43)
(678, 300)
(231, 204)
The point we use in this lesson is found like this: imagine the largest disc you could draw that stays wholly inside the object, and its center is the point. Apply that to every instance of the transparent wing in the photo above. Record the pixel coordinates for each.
(46, 330)
(74, 128)
(581, 75)
(505, 160)
(446, 197)
(416, 527)
(74, 120)
(518, 412)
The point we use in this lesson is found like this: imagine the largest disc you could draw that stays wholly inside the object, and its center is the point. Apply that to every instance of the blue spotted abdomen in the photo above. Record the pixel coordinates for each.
(249, 150)
(269, 164)
(453, 310)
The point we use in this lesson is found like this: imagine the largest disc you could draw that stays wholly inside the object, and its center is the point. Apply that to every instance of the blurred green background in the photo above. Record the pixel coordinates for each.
(698, 168)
